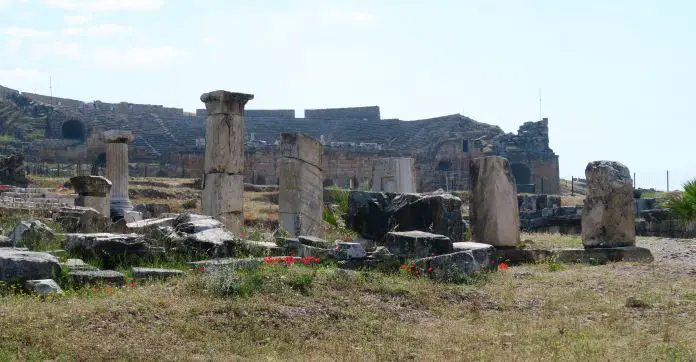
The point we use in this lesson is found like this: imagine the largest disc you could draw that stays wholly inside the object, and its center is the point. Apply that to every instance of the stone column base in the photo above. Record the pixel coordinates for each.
(119, 207)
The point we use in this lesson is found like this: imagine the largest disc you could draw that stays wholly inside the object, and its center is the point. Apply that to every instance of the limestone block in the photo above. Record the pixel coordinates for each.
(102, 204)
(494, 210)
(417, 244)
(301, 147)
(91, 185)
(224, 144)
(42, 287)
(608, 215)
(18, 264)
(300, 200)
(223, 197)
(85, 277)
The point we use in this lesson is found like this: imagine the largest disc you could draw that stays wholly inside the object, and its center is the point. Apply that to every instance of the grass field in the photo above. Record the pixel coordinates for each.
(544, 311)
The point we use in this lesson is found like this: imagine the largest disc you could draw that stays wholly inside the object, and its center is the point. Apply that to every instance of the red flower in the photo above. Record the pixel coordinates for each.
(316, 260)
(131, 284)
(503, 266)
(404, 266)
(109, 290)
(430, 269)
(200, 268)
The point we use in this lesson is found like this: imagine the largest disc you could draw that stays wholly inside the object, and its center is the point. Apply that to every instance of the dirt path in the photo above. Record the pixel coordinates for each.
(672, 255)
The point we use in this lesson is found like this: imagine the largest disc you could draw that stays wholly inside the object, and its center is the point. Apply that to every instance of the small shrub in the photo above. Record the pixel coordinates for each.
(190, 204)
(683, 205)
(329, 217)
(340, 197)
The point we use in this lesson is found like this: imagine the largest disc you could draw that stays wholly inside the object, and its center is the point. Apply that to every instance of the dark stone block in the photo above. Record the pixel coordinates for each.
(417, 244)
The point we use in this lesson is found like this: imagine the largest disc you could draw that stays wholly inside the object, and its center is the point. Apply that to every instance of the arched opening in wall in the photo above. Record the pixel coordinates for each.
(328, 182)
(523, 176)
(73, 130)
(444, 165)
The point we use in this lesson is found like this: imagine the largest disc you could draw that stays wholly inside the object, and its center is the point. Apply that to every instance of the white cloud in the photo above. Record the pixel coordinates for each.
(362, 17)
(77, 19)
(70, 50)
(104, 29)
(22, 33)
(8, 76)
(345, 15)
(104, 5)
(134, 57)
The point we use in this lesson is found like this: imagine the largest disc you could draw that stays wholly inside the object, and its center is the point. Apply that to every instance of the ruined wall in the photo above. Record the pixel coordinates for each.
(364, 113)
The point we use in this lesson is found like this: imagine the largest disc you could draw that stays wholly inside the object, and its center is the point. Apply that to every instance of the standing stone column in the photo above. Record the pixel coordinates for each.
(300, 202)
(394, 174)
(223, 174)
(117, 170)
(608, 215)
(495, 218)
(93, 191)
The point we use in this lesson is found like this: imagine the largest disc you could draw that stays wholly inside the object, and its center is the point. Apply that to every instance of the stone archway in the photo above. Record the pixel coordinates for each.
(73, 130)
(523, 176)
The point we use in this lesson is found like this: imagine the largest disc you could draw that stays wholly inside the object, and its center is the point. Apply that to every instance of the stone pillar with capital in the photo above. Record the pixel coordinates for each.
(223, 181)
(117, 170)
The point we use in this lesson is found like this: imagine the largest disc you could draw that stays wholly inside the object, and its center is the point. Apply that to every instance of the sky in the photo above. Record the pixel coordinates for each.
(616, 77)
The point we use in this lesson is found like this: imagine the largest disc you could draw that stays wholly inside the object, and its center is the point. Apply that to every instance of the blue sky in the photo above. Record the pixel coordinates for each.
(616, 76)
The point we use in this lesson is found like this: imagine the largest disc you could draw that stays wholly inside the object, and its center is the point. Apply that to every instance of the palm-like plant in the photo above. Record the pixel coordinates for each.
(684, 205)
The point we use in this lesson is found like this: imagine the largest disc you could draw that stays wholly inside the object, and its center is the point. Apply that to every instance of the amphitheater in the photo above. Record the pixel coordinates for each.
(61, 130)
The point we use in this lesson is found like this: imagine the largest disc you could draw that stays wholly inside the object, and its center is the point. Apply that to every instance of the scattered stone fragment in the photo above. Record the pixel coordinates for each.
(483, 253)
(77, 264)
(107, 246)
(382, 253)
(109, 277)
(346, 250)
(31, 233)
(156, 273)
(18, 264)
(449, 266)
(315, 241)
(192, 223)
(42, 287)
(5, 242)
(417, 244)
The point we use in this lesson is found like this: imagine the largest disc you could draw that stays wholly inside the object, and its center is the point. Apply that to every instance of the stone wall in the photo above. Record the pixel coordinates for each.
(363, 113)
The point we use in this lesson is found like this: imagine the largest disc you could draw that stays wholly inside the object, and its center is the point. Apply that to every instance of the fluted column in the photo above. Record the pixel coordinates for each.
(223, 188)
(117, 170)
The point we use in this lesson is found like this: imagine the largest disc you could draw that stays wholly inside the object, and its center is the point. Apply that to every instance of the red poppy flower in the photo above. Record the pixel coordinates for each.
(200, 268)
(316, 260)
(131, 284)
(430, 269)
(109, 290)
(503, 266)
(404, 266)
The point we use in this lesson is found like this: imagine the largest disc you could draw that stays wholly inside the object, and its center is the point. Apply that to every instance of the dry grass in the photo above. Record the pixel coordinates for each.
(523, 313)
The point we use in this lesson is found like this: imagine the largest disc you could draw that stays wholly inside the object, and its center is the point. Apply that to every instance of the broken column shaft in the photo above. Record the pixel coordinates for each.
(117, 170)
(223, 189)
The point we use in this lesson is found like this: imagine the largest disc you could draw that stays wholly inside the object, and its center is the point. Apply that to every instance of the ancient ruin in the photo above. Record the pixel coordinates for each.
(117, 170)
(64, 130)
(494, 209)
(224, 157)
(300, 201)
(394, 174)
(93, 191)
(608, 217)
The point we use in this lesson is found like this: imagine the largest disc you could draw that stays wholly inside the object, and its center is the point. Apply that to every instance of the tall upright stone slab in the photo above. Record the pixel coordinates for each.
(394, 174)
(494, 210)
(117, 170)
(93, 191)
(223, 189)
(608, 215)
(300, 201)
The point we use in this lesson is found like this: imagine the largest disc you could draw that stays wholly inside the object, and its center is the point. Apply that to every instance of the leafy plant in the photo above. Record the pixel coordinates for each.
(340, 197)
(683, 205)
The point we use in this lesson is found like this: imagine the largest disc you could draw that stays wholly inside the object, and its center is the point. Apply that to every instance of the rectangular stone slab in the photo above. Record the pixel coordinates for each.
(417, 244)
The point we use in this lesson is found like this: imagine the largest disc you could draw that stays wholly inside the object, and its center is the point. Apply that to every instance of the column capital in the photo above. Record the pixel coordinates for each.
(117, 136)
(223, 102)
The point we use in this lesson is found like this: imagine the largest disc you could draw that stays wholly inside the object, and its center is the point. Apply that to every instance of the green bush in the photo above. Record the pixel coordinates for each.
(683, 205)
(340, 197)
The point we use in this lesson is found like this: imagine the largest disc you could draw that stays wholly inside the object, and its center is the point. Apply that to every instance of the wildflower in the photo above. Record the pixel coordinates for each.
(430, 269)
(503, 266)
(404, 266)
(316, 260)
(109, 290)
(200, 268)
(131, 285)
